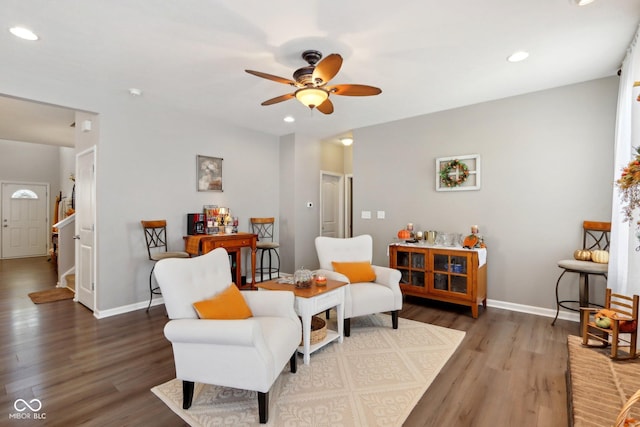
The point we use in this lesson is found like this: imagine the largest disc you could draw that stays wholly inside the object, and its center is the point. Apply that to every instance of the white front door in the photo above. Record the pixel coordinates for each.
(85, 228)
(25, 223)
(331, 202)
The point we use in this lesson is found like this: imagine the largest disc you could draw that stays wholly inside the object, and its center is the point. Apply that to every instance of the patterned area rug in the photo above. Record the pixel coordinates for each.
(51, 295)
(374, 378)
(599, 385)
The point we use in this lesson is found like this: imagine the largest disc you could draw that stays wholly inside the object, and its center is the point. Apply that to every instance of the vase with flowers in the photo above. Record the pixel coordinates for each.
(629, 185)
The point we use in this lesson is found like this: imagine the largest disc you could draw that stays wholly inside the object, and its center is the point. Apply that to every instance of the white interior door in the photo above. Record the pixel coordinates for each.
(25, 222)
(85, 228)
(331, 204)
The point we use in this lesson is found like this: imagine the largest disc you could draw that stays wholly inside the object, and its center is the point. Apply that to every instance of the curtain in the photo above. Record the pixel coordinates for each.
(624, 265)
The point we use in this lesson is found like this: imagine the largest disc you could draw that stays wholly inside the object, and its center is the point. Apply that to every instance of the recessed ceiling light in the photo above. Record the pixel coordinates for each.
(518, 56)
(289, 119)
(583, 2)
(346, 141)
(135, 91)
(23, 33)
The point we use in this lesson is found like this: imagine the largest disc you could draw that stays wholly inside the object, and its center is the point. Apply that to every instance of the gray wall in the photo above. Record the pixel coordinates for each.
(147, 170)
(28, 162)
(547, 161)
(546, 164)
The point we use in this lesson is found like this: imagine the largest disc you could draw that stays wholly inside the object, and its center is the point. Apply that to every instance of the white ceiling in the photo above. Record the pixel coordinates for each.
(425, 55)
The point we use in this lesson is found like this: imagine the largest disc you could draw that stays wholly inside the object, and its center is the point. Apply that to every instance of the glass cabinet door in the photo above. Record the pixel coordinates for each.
(450, 273)
(402, 259)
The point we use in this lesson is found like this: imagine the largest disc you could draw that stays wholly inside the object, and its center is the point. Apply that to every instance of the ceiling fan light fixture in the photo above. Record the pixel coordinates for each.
(311, 97)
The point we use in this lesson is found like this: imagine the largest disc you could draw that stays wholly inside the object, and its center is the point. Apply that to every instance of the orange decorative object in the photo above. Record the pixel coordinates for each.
(470, 241)
(404, 234)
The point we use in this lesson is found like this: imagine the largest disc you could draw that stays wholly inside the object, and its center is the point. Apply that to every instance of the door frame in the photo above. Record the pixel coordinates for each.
(341, 207)
(48, 207)
(94, 286)
(348, 205)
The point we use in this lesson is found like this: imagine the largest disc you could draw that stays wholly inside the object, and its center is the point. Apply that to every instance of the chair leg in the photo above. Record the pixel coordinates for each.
(263, 407)
(394, 319)
(262, 266)
(293, 362)
(557, 299)
(347, 327)
(585, 327)
(187, 394)
(151, 286)
(326, 314)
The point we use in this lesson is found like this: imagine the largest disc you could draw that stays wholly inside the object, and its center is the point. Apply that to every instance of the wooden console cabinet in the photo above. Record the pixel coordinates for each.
(452, 275)
(202, 243)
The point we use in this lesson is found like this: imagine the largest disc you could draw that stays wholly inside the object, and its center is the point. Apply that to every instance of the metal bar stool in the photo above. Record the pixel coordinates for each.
(155, 234)
(595, 236)
(263, 227)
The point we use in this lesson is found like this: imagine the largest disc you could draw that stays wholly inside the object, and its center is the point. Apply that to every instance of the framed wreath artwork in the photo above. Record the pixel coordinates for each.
(209, 173)
(458, 173)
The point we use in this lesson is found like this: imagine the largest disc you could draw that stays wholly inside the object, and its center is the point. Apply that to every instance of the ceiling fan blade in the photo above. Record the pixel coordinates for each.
(354, 90)
(272, 77)
(327, 69)
(278, 99)
(326, 107)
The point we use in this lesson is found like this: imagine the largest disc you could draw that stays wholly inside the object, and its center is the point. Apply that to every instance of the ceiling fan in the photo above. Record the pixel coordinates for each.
(311, 83)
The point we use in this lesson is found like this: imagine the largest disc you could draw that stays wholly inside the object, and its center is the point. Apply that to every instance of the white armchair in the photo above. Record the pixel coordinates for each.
(381, 295)
(247, 354)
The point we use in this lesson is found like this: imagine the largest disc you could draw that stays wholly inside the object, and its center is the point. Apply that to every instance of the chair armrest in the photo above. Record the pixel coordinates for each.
(271, 303)
(389, 277)
(204, 331)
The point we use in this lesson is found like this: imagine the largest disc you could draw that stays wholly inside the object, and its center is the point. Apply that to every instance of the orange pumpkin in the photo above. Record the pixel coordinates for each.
(470, 241)
(404, 234)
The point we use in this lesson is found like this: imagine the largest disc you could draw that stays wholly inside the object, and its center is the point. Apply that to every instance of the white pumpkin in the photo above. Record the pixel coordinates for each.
(599, 256)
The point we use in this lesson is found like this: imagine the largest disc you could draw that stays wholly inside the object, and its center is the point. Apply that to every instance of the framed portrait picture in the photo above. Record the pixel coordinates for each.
(209, 173)
(458, 173)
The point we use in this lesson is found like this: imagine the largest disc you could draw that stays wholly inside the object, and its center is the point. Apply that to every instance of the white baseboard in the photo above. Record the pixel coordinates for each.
(101, 314)
(538, 311)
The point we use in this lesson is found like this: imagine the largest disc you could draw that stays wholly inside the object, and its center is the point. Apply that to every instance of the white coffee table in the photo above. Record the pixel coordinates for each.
(310, 301)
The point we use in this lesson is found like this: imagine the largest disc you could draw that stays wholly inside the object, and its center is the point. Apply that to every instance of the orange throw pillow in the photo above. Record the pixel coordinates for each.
(356, 272)
(227, 305)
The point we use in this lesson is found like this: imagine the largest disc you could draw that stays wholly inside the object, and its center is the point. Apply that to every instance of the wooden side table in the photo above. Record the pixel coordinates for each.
(200, 244)
(310, 301)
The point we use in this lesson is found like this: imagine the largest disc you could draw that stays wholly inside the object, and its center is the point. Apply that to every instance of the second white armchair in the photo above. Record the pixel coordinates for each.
(381, 294)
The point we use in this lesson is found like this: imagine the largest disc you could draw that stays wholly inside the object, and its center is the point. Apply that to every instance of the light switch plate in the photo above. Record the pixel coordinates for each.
(366, 215)
(380, 214)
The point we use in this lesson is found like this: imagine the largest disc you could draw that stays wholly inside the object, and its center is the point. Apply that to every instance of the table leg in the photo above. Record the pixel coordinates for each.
(253, 267)
(238, 256)
(306, 337)
(340, 319)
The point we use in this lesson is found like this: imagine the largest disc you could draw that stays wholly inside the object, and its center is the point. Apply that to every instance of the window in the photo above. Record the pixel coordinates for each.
(24, 194)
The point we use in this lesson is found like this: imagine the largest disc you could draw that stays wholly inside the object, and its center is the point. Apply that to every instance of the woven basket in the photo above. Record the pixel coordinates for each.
(318, 330)
(624, 419)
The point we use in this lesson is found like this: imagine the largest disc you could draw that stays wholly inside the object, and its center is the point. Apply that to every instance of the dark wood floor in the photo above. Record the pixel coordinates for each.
(508, 371)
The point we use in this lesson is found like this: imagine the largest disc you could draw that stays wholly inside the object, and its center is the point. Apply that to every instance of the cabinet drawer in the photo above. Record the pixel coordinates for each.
(319, 303)
(232, 243)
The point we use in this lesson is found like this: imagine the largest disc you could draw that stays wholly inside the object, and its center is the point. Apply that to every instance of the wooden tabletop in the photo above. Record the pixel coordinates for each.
(312, 291)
